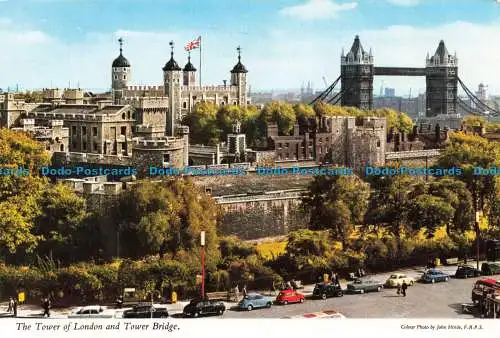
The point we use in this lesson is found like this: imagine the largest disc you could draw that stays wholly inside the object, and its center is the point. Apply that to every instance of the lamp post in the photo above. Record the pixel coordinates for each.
(477, 239)
(202, 254)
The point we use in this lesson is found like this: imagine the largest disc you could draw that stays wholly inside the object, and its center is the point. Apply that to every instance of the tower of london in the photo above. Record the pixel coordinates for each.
(163, 106)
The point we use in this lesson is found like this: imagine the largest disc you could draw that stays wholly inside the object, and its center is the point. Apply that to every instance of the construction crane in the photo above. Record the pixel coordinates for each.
(326, 83)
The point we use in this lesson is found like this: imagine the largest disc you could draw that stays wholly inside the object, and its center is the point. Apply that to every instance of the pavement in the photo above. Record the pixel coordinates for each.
(441, 300)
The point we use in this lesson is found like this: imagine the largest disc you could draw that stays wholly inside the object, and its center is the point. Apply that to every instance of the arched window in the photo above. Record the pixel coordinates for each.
(184, 105)
(123, 116)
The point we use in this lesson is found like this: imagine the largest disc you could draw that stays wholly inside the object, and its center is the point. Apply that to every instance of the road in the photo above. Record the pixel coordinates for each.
(440, 300)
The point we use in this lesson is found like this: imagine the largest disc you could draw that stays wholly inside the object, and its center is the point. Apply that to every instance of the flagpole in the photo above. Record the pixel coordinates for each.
(200, 61)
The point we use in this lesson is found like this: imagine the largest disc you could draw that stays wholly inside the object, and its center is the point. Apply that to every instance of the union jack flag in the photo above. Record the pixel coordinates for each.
(193, 44)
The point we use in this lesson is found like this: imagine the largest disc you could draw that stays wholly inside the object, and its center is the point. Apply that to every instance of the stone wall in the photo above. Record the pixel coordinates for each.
(258, 219)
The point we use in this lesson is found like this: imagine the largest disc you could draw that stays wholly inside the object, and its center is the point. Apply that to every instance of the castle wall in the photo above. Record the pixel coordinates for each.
(258, 219)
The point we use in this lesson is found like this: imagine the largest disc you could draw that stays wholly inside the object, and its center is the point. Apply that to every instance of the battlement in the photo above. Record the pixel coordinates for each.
(146, 102)
(73, 157)
(84, 113)
(371, 122)
(157, 144)
(218, 88)
(144, 88)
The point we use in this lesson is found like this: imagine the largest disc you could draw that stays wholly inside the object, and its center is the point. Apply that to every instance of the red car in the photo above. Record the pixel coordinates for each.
(289, 296)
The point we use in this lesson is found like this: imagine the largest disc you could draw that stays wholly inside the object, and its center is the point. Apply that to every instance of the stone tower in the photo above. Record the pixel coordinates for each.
(356, 69)
(189, 73)
(120, 74)
(239, 79)
(172, 84)
(442, 80)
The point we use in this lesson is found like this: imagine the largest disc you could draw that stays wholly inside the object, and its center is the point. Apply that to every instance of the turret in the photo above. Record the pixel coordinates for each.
(120, 74)
(189, 73)
(172, 85)
(239, 79)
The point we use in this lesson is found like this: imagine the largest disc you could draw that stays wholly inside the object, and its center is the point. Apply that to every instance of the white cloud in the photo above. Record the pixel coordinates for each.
(282, 59)
(317, 9)
(404, 2)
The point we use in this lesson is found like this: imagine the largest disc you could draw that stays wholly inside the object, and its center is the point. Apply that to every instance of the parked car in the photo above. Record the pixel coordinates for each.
(198, 307)
(325, 290)
(92, 311)
(434, 275)
(397, 279)
(490, 268)
(146, 310)
(254, 301)
(364, 285)
(289, 296)
(466, 271)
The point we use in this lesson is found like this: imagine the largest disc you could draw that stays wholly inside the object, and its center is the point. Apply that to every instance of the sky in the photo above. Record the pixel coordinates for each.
(285, 43)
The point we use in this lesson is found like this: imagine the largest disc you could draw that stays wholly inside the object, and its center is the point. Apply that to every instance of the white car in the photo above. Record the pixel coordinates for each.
(397, 279)
(92, 311)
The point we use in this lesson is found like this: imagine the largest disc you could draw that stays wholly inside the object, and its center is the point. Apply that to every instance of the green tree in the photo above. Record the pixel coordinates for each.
(15, 229)
(59, 222)
(202, 123)
(336, 203)
(468, 152)
(430, 212)
(165, 217)
(280, 113)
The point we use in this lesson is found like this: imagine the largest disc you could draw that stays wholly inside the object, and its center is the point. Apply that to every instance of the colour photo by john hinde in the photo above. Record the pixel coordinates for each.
(249, 159)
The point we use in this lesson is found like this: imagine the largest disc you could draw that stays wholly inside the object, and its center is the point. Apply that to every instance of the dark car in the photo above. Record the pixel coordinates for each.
(434, 275)
(324, 290)
(146, 311)
(490, 268)
(366, 285)
(198, 307)
(466, 271)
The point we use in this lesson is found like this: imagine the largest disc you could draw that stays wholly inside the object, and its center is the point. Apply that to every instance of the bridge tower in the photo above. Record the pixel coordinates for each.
(441, 82)
(356, 71)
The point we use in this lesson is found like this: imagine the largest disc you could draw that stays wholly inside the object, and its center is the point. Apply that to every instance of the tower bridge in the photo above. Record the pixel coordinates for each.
(357, 71)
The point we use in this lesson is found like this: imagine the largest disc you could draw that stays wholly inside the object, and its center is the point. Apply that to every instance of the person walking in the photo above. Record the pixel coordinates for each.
(399, 289)
(46, 307)
(14, 307)
(237, 292)
(244, 291)
(11, 305)
(403, 288)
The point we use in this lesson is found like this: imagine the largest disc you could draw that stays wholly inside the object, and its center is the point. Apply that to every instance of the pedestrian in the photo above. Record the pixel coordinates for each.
(237, 292)
(336, 281)
(403, 288)
(294, 284)
(288, 285)
(11, 305)
(46, 307)
(244, 291)
(399, 289)
(332, 277)
(15, 307)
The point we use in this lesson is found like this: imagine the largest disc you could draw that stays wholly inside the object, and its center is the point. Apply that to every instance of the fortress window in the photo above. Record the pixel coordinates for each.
(124, 77)
(123, 131)
(84, 130)
(73, 131)
(378, 144)
(61, 147)
(123, 116)
(124, 69)
(94, 146)
(133, 116)
(116, 77)
(234, 102)
(84, 145)
(94, 131)
(184, 105)
(166, 158)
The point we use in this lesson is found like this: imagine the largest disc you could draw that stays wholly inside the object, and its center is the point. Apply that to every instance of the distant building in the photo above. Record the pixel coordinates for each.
(389, 92)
